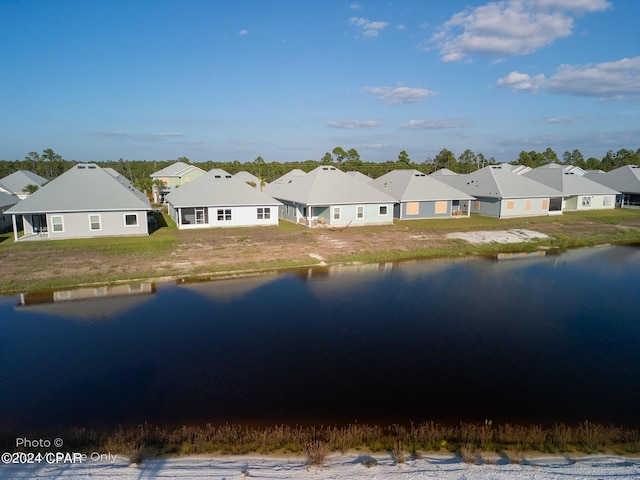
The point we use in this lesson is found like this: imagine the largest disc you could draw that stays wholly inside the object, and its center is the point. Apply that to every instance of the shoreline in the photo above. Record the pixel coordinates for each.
(169, 255)
(342, 466)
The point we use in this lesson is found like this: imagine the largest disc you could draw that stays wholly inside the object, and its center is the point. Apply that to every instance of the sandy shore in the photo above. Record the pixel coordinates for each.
(337, 467)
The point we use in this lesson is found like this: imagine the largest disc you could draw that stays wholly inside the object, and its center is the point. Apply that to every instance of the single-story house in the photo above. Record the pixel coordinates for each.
(17, 183)
(327, 196)
(625, 180)
(85, 201)
(419, 196)
(500, 193)
(6, 201)
(173, 176)
(579, 193)
(217, 199)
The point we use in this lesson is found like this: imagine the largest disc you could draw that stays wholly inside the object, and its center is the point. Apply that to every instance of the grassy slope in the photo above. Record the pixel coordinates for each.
(107, 260)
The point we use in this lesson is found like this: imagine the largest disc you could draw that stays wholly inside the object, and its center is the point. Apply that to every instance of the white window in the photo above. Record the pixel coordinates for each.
(607, 201)
(360, 211)
(586, 201)
(57, 224)
(131, 220)
(336, 213)
(382, 210)
(264, 213)
(94, 222)
(224, 214)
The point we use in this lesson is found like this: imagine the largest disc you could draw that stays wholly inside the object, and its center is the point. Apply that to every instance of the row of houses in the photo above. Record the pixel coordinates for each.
(89, 201)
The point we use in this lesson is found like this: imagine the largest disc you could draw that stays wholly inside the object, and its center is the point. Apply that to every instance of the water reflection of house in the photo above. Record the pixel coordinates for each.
(227, 290)
(93, 303)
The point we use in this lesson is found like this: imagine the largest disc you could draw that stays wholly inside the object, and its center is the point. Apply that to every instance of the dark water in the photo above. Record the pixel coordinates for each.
(536, 340)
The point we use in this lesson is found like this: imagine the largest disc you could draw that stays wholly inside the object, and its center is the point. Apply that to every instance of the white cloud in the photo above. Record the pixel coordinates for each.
(368, 28)
(521, 82)
(577, 6)
(243, 32)
(355, 6)
(608, 80)
(552, 119)
(141, 136)
(395, 95)
(436, 123)
(509, 27)
(353, 124)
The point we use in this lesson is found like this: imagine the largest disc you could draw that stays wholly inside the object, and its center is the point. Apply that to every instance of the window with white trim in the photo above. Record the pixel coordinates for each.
(224, 214)
(94, 222)
(360, 211)
(336, 213)
(607, 201)
(57, 224)
(586, 201)
(264, 213)
(382, 210)
(131, 220)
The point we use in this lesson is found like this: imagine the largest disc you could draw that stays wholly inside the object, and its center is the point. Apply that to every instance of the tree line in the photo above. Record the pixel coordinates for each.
(49, 164)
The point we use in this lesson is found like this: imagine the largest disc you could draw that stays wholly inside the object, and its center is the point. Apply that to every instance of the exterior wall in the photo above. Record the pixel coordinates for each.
(369, 214)
(426, 209)
(244, 216)
(78, 224)
(288, 211)
(192, 175)
(524, 207)
(5, 222)
(510, 207)
(595, 202)
(486, 206)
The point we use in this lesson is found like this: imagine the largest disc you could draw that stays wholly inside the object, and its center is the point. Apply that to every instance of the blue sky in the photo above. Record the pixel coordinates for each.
(291, 80)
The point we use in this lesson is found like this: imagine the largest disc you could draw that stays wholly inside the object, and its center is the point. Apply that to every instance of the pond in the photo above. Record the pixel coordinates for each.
(532, 339)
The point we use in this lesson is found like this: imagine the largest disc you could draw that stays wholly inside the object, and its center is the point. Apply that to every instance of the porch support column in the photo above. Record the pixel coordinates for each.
(309, 215)
(15, 228)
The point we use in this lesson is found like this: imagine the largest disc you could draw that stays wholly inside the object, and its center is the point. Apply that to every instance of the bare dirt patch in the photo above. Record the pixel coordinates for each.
(498, 236)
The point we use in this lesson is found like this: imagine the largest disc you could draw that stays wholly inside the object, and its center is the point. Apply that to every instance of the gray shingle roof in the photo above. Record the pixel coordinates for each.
(495, 181)
(359, 176)
(215, 189)
(413, 186)
(83, 188)
(327, 185)
(17, 181)
(247, 177)
(555, 176)
(7, 200)
(290, 175)
(176, 169)
(623, 179)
